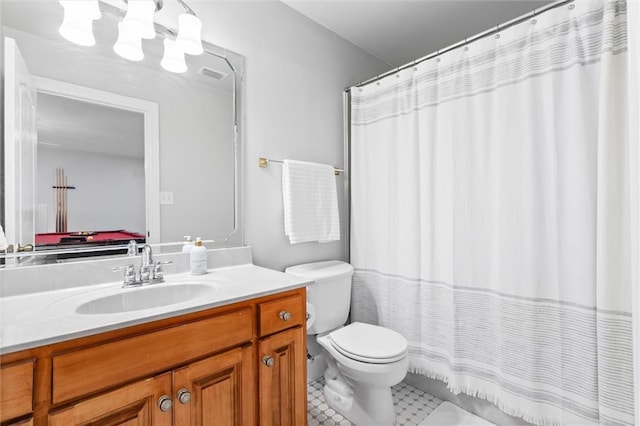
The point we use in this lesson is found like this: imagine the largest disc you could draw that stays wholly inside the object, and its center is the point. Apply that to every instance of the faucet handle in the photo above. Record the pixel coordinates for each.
(158, 271)
(132, 248)
(129, 274)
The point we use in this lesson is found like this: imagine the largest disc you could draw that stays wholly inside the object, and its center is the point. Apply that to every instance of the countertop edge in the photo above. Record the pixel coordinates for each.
(245, 293)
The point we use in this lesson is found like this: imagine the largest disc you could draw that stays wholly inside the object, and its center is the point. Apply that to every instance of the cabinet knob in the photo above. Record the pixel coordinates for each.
(184, 395)
(268, 361)
(285, 315)
(165, 403)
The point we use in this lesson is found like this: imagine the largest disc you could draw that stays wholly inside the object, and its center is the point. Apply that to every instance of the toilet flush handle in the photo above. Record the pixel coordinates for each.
(285, 315)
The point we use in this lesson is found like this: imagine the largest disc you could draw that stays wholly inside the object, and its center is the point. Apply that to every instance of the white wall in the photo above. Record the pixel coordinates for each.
(296, 72)
(98, 190)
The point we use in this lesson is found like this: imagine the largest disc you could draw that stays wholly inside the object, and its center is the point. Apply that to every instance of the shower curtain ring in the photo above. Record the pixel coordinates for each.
(466, 47)
(497, 30)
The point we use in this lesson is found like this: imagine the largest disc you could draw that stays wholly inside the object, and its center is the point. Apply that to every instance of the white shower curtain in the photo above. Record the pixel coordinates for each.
(491, 226)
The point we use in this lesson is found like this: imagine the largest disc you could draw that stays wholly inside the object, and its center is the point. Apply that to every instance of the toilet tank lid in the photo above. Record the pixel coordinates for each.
(321, 270)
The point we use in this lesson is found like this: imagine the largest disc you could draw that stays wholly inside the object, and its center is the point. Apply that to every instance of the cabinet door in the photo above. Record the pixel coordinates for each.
(283, 395)
(16, 389)
(218, 390)
(132, 405)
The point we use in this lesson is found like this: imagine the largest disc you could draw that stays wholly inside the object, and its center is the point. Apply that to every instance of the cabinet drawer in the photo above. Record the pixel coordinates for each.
(16, 389)
(95, 368)
(273, 316)
(135, 404)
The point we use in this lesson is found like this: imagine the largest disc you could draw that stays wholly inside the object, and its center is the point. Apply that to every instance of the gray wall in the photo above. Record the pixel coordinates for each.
(296, 71)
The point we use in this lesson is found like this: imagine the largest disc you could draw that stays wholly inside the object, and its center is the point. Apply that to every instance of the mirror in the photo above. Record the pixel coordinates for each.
(157, 178)
(84, 135)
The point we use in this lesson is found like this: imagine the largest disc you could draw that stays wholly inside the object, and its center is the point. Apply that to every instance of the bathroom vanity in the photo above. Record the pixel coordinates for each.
(231, 356)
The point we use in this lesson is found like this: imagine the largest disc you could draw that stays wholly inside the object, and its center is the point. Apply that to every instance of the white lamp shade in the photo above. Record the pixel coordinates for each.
(173, 59)
(129, 43)
(189, 34)
(139, 17)
(77, 25)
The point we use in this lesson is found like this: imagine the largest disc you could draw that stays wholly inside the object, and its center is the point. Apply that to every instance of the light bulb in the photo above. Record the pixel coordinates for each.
(139, 17)
(173, 59)
(77, 25)
(189, 29)
(129, 43)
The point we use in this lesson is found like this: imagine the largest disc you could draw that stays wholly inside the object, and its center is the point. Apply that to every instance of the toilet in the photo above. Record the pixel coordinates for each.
(363, 360)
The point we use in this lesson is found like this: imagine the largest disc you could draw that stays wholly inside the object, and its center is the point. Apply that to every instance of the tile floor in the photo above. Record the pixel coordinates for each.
(412, 406)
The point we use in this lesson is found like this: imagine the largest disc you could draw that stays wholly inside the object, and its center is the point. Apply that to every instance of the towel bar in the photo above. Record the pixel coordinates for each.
(264, 162)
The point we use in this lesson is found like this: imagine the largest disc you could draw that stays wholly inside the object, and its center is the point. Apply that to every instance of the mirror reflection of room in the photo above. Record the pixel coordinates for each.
(90, 186)
(185, 122)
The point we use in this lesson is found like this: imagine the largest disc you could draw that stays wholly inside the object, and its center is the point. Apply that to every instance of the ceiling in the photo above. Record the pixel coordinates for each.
(72, 124)
(398, 31)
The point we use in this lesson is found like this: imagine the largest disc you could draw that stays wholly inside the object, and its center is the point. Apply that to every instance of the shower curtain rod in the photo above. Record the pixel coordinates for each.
(468, 40)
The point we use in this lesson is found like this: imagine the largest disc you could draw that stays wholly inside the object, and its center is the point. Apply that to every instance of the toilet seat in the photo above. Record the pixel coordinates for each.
(369, 343)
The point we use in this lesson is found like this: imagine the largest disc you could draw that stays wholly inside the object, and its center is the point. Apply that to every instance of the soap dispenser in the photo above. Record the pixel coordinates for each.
(187, 245)
(198, 258)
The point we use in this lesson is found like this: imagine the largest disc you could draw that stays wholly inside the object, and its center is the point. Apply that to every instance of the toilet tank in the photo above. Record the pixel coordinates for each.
(329, 295)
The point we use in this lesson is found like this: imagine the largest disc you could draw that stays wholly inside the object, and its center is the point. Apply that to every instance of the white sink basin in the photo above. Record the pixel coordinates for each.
(136, 299)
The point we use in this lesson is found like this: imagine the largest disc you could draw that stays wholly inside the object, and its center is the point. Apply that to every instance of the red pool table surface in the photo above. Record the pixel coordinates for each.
(88, 237)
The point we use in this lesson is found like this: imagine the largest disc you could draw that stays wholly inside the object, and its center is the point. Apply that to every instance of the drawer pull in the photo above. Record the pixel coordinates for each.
(285, 315)
(268, 361)
(184, 395)
(164, 403)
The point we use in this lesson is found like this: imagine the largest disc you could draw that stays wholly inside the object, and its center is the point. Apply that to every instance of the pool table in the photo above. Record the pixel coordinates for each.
(82, 238)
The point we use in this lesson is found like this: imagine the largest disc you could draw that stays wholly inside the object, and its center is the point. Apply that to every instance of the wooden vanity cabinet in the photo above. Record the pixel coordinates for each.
(219, 390)
(282, 357)
(22, 422)
(199, 369)
(215, 391)
(16, 392)
(134, 404)
(283, 392)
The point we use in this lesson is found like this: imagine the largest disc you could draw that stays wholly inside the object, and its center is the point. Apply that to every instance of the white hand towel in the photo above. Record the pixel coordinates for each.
(310, 202)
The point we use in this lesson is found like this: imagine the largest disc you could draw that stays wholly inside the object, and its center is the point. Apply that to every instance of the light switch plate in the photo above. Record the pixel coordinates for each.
(166, 197)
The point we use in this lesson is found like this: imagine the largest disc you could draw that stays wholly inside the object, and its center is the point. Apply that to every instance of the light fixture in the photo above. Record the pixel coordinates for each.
(77, 25)
(139, 18)
(137, 24)
(189, 29)
(173, 59)
(129, 43)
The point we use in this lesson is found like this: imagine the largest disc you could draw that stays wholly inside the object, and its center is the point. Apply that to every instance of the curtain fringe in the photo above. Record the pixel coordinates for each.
(477, 393)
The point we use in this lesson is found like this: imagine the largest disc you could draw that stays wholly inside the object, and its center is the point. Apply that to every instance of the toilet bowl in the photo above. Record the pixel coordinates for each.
(364, 360)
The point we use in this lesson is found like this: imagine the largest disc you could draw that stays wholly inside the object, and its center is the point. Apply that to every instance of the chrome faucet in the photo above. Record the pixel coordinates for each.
(146, 264)
(150, 273)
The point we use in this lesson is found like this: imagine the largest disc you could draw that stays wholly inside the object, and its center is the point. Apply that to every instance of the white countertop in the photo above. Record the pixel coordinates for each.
(41, 318)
